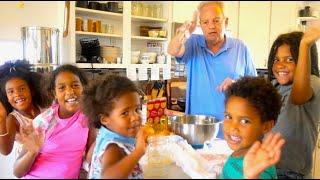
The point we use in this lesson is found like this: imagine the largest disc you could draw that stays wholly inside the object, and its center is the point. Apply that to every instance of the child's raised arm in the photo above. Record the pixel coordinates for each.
(118, 165)
(3, 113)
(32, 142)
(261, 156)
(8, 129)
(301, 88)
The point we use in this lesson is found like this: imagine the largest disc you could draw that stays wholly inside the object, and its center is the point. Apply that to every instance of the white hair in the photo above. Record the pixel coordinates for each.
(217, 3)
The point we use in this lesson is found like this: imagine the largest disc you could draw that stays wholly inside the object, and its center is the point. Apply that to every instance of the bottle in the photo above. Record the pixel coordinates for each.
(307, 11)
(144, 110)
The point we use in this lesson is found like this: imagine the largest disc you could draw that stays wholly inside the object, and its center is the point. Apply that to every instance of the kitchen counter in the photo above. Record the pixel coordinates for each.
(173, 171)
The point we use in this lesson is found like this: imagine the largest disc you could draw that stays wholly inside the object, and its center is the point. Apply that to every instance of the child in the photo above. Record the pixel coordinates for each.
(252, 106)
(21, 101)
(112, 105)
(56, 149)
(294, 73)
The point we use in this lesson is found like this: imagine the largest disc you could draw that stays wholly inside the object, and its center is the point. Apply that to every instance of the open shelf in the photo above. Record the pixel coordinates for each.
(100, 65)
(98, 13)
(98, 34)
(148, 38)
(147, 19)
(117, 66)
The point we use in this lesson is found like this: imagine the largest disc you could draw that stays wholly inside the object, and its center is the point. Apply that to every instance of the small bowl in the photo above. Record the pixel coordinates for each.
(135, 53)
(135, 60)
(145, 59)
(163, 33)
(152, 56)
(153, 33)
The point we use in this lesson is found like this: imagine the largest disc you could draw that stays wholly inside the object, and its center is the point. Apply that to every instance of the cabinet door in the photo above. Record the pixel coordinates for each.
(283, 18)
(183, 10)
(254, 28)
(232, 12)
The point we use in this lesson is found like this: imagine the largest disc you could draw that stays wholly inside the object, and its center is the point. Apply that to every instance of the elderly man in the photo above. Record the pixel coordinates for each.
(213, 60)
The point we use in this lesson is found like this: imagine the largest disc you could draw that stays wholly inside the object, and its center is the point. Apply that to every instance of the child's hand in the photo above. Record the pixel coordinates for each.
(32, 139)
(261, 156)
(141, 137)
(3, 112)
(312, 33)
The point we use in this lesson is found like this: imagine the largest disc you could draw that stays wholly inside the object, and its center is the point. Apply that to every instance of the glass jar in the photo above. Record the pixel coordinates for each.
(109, 28)
(158, 156)
(139, 9)
(133, 8)
(150, 13)
(154, 11)
(145, 10)
(79, 24)
(159, 11)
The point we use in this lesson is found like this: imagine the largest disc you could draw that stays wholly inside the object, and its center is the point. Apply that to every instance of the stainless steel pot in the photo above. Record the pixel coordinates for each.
(41, 46)
(196, 129)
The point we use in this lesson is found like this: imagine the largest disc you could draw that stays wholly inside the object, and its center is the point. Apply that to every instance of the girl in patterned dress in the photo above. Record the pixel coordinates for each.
(112, 105)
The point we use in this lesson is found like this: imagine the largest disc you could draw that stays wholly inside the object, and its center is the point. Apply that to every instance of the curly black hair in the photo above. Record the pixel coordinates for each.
(292, 39)
(260, 93)
(65, 68)
(99, 98)
(22, 69)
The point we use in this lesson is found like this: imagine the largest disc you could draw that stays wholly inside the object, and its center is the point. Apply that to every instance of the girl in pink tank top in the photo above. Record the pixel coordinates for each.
(56, 141)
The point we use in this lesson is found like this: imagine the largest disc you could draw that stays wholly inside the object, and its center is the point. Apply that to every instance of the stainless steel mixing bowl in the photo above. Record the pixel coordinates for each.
(196, 129)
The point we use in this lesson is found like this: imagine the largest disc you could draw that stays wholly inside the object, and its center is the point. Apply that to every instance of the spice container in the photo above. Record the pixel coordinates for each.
(79, 24)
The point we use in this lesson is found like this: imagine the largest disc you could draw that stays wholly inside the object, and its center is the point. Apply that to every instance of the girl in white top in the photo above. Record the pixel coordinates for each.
(21, 101)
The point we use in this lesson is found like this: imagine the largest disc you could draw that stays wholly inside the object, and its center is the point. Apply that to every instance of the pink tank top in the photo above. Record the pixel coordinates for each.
(64, 145)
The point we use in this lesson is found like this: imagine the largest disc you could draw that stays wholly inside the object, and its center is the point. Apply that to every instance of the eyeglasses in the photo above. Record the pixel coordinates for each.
(215, 21)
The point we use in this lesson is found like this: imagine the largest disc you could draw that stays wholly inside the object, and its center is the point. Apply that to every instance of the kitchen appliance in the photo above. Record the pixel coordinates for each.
(82, 4)
(112, 6)
(94, 5)
(90, 51)
(41, 47)
(196, 129)
(182, 103)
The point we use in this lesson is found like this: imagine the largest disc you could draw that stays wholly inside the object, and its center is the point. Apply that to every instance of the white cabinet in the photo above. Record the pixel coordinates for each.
(126, 33)
(254, 27)
(183, 10)
(232, 11)
(16, 14)
(283, 18)
(260, 23)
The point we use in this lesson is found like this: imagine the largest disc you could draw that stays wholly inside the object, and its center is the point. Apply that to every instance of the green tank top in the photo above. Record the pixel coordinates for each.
(233, 169)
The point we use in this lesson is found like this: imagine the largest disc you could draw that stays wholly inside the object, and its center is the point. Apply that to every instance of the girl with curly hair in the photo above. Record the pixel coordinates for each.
(56, 142)
(293, 70)
(21, 100)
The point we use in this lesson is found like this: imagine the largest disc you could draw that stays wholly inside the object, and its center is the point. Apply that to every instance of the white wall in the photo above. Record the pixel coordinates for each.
(32, 13)
(12, 18)
(6, 167)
